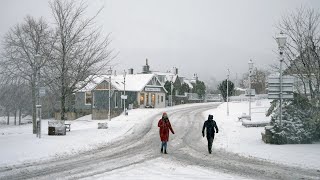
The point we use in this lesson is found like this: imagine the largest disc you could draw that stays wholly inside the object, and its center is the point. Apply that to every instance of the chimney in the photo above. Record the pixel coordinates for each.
(175, 70)
(130, 71)
(146, 68)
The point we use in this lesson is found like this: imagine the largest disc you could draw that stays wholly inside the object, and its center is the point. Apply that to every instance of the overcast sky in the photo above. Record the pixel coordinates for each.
(197, 36)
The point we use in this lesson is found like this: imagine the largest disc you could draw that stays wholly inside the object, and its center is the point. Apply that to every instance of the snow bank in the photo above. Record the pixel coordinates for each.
(234, 137)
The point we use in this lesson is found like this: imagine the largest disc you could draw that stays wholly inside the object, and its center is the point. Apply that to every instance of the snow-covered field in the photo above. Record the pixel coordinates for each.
(248, 142)
(19, 145)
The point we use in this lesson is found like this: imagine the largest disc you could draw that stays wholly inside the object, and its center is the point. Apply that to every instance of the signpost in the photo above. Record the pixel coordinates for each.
(274, 87)
(42, 91)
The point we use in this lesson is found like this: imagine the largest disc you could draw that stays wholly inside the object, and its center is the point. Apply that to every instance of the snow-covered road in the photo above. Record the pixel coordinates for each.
(142, 146)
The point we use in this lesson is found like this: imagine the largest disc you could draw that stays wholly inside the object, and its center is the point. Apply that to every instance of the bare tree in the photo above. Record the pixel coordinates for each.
(20, 46)
(14, 97)
(302, 49)
(80, 52)
(258, 80)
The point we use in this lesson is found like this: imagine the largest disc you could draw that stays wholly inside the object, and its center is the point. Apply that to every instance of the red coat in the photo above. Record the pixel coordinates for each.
(164, 129)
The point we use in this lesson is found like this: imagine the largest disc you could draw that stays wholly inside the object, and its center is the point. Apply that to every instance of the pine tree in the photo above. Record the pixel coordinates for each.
(297, 126)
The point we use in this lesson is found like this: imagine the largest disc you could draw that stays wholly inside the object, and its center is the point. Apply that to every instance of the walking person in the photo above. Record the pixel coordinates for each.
(212, 128)
(165, 126)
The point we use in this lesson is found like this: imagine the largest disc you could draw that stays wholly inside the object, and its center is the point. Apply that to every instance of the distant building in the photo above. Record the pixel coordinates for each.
(142, 90)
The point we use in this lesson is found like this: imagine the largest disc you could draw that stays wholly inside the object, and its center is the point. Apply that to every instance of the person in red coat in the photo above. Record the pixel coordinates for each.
(165, 126)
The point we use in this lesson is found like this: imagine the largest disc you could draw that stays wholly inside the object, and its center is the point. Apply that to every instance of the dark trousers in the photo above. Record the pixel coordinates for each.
(210, 141)
(164, 145)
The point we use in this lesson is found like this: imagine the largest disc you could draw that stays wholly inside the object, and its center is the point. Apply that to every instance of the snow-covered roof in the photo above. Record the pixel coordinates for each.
(240, 89)
(93, 83)
(134, 82)
(187, 81)
(168, 76)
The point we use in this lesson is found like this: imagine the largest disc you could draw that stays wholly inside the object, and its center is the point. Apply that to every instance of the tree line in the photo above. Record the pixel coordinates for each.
(63, 56)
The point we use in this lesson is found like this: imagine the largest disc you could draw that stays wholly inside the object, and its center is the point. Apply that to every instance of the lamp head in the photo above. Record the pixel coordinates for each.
(250, 64)
(109, 72)
(281, 40)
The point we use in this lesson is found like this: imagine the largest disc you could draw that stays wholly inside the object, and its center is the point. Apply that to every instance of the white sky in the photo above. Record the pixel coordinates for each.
(205, 37)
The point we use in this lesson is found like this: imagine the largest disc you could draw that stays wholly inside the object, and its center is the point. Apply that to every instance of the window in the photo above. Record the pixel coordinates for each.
(158, 99)
(147, 99)
(141, 98)
(121, 105)
(161, 98)
(116, 99)
(88, 97)
(153, 99)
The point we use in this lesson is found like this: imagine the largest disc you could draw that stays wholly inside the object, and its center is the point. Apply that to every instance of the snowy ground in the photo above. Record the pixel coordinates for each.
(20, 146)
(248, 142)
(162, 168)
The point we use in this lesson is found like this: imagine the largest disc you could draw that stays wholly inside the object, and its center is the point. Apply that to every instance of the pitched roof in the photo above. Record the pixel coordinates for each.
(188, 82)
(134, 82)
(168, 76)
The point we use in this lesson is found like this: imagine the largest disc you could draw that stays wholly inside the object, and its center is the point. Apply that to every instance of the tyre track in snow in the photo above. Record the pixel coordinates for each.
(72, 167)
(186, 147)
(195, 153)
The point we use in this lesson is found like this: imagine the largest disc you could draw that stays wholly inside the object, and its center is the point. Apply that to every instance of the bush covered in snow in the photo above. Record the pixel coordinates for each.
(300, 122)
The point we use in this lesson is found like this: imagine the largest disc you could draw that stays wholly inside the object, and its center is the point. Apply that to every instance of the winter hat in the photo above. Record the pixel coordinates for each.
(164, 115)
(210, 117)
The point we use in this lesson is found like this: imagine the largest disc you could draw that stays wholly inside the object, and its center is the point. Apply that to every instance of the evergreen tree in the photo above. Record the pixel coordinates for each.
(223, 89)
(200, 88)
(184, 89)
(300, 122)
(167, 86)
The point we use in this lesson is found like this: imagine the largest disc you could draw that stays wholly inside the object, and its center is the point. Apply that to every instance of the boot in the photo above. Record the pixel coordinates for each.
(165, 151)
(161, 150)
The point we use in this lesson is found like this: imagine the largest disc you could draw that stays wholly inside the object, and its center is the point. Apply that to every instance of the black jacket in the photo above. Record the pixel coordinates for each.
(211, 126)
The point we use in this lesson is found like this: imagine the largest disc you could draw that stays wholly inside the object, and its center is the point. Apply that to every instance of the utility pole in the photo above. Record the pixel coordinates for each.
(124, 93)
(109, 112)
(228, 92)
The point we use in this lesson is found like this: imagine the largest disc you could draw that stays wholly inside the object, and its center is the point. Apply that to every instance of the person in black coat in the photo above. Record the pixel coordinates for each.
(212, 128)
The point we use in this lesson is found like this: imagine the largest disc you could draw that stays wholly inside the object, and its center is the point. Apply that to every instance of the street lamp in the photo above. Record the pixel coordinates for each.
(171, 88)
(124, 92)
(228, 92)
(109, 112)
(250, 73)
(281, 40)
(38, 106)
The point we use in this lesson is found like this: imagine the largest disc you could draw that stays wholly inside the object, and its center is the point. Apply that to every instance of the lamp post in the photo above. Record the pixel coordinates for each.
(171, 88)
(281, 40)
(124, 92)
(109, 112)
(250, 73)
(38, 106)
(228, 92)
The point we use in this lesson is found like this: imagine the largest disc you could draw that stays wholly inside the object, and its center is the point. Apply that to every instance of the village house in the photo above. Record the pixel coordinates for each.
(142, 90)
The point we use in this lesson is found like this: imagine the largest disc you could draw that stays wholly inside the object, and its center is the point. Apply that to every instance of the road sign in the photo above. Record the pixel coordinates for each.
(277, 96)
(286, 86)
(124, 96)
(277, 89)
(42, 91)
(285, 80)
(253, 92)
